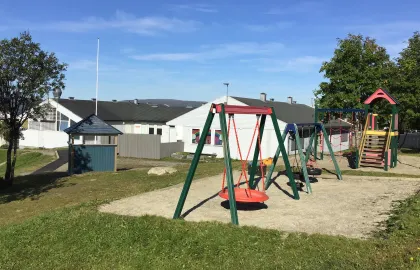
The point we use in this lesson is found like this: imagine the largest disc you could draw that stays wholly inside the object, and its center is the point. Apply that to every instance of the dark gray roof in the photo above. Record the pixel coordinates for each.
(337, 123)
(290, 113)
(171, 102)
(124, 111)
(92, 125)
(286, 112)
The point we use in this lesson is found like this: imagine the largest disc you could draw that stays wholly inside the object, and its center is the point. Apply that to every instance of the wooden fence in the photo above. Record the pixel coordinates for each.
(144, 146)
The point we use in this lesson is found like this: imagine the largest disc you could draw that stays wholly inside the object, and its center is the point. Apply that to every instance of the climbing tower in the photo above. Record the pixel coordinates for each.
(379, 145)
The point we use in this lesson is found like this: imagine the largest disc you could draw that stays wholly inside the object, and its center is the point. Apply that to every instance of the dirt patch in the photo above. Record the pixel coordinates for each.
(353, 207)
(138, 163)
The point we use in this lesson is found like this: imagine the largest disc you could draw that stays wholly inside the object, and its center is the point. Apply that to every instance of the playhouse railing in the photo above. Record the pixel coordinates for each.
(388, 143)
(363, 141)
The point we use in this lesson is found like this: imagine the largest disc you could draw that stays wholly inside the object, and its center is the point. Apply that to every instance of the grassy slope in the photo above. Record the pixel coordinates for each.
(80, 237)
(26, 162)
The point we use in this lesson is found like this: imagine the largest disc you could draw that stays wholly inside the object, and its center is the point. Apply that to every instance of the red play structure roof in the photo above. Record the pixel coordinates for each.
(381, 93)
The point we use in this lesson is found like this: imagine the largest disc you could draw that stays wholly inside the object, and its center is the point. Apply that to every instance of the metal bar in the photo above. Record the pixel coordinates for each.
(269, 181)
(316, 134)
(194, 163)
(309, 148)
(303, 161)
(256, 154)
(228, 166)
(285, 157)
(386, 161)
(337, 168)
(237, 109)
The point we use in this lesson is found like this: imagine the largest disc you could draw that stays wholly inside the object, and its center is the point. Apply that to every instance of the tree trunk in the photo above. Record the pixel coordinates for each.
(8, 177)
(11, 158)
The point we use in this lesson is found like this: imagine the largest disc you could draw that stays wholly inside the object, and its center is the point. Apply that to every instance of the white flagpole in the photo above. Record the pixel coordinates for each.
(97, 78)
(97, 83)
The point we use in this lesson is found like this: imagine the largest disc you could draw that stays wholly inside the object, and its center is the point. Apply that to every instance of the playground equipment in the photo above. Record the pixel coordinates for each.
(378, 148)
(306, 161)
(234, 194)
(355, 120)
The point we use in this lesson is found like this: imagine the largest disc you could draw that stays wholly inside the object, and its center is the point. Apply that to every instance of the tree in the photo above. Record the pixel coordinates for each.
(27, 75)
(406, 84)
(358, 67)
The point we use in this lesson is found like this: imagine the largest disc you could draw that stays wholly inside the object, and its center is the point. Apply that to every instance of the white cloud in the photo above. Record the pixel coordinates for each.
(301, 7)
(125, 22)
(216, 52)
(394, 49)
(386, 30)
(82, 65)
(268, 27)
(195, 7)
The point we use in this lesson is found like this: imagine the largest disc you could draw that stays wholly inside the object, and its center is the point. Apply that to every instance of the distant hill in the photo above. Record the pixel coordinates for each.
(169, 102)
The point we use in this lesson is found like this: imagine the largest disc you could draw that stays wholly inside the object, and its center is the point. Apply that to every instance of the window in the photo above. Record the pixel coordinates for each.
(218, 137)
(195, 135)
(63, 121)
(344, 137)
(208, 138)
(151, 130)
(159, 131)
(72, 122)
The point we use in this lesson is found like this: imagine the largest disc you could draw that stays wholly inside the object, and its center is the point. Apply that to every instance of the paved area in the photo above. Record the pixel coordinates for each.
(353, 207)
(53, 166)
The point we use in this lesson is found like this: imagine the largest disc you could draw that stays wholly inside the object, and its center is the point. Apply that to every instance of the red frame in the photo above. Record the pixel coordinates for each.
(237, 109)
(379, 93)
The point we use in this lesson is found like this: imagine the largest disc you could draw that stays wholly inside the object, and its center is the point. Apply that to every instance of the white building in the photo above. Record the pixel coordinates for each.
(189, 127)
(128, 117)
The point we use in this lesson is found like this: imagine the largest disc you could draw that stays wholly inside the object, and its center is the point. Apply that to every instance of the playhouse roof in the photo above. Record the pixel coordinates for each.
(92, 125)
(381, 93)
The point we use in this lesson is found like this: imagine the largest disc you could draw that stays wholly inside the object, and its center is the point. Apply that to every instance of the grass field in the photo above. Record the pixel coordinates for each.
(52, 222)
(26, 161)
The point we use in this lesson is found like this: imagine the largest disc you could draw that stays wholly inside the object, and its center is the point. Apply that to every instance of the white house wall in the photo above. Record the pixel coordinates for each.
(245, 124)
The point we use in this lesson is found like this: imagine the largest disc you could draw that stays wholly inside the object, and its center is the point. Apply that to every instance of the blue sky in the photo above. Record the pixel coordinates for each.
(187, 49)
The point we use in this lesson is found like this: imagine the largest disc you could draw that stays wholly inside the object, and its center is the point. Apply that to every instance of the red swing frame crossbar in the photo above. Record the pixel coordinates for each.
(237, 109)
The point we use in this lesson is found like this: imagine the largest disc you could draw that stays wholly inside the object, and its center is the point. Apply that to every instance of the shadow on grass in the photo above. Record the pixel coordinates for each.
(32, 186)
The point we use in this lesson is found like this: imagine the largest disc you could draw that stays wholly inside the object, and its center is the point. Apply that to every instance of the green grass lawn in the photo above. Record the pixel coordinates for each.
(52, 222)
(26, 162)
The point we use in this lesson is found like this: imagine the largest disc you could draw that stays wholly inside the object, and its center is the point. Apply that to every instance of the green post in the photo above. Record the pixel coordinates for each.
(316, 134)
(194, 163)
(256, 154)
(273, 165)
(309, 148)
(284, 155)
(337, 168)
(302, 161)
(228, 165)
(386, 161)
(357, 159)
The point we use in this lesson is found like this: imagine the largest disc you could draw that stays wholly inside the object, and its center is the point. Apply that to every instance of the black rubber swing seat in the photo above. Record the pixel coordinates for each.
(314, 171)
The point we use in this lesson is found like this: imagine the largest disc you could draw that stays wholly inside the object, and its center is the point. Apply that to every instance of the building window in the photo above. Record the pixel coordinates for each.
(344, 137)
(159, 131)
(218, 137)
(208, 138)
(195, 135)
(62, 121)
(151, 130)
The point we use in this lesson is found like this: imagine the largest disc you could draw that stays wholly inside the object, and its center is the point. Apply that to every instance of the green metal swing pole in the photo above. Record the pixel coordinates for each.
(273, 165)
(302, 160)
(284, 155)
(194, 164)
(309, 148)
(228, 166)
(337, 168)
(256, 153)
(316, 135)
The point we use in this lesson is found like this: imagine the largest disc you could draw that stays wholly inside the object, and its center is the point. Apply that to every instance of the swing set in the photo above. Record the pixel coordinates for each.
(254, 191)
(330, 114)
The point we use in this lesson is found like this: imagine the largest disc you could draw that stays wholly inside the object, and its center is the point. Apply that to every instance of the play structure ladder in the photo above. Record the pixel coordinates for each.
(374, 149)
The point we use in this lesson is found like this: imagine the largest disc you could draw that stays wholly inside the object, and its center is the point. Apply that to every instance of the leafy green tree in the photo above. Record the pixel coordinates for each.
(358, 67)
(406, 84)
(27, 75)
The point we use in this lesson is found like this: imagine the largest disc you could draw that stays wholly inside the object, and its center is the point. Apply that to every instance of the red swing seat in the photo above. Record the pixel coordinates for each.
(245, 195)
